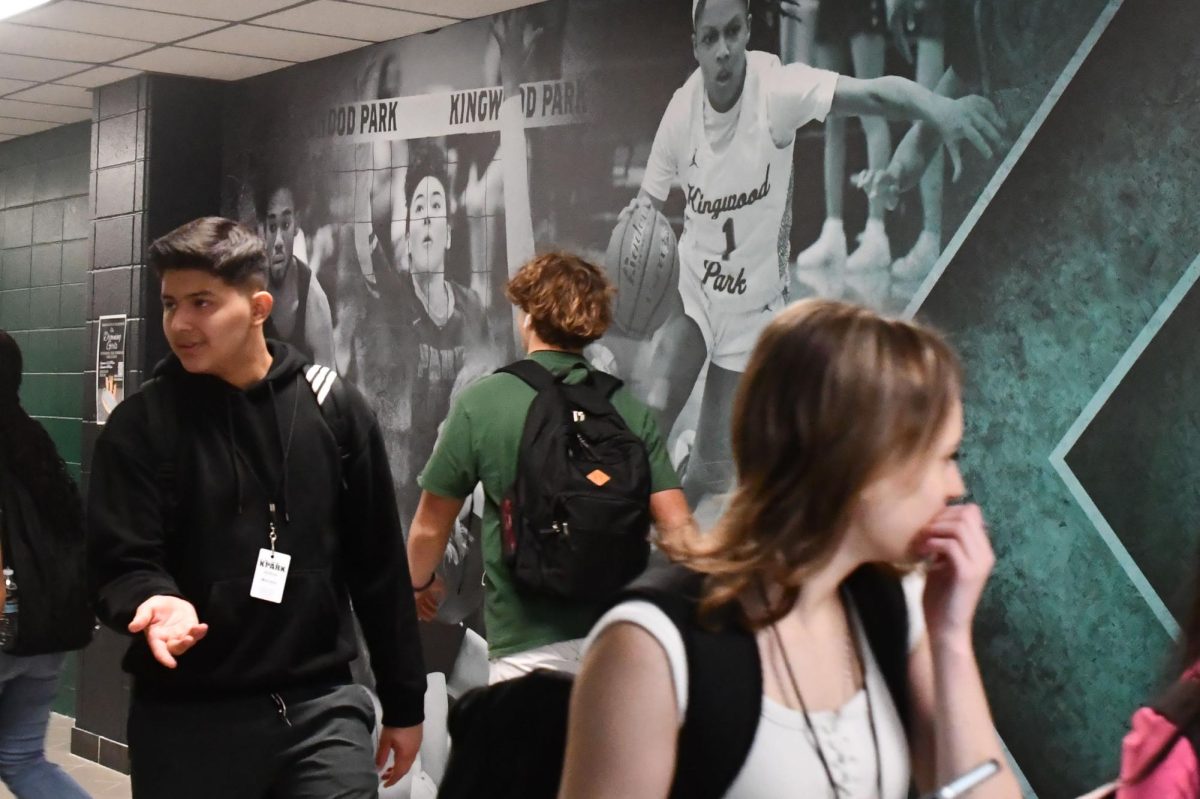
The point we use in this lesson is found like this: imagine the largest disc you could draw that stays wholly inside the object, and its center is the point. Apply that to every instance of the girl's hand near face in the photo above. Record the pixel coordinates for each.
(962, 558)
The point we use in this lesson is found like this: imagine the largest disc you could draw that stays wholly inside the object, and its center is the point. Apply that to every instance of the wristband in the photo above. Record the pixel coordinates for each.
(429, 582)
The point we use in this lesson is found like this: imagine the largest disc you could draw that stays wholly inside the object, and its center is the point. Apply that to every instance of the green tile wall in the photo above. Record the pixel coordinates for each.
(44, 258)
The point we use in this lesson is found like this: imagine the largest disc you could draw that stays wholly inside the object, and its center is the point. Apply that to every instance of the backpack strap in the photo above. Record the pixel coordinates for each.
(725, 686)
(881, 606)
(331, 394)
(605, 383)
(540, 378)
(536, 376)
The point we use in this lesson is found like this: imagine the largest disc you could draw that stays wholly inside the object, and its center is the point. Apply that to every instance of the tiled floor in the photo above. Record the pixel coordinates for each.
(100, 782)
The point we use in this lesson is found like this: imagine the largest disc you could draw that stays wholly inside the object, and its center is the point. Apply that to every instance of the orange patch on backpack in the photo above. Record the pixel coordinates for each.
(598, 477)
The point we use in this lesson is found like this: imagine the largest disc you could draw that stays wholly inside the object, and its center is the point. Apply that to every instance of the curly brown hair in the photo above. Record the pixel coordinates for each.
(569, 301)
(833, 395)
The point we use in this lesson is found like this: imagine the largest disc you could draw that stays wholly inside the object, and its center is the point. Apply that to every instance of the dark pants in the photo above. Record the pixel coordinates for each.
(318, 746)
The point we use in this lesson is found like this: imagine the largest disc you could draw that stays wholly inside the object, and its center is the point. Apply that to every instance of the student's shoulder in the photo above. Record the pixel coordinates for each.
(636, 413)
(759, 60)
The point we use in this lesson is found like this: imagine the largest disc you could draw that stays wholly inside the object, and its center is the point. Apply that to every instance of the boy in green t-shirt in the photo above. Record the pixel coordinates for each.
(564, 305)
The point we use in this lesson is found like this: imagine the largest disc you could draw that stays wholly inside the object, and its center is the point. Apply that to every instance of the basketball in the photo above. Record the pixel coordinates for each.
(643, 263)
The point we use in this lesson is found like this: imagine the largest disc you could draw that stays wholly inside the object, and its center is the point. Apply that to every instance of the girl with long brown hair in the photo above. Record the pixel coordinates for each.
(846, 432)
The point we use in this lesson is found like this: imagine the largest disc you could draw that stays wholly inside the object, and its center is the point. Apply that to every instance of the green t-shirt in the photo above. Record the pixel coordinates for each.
(479, 443)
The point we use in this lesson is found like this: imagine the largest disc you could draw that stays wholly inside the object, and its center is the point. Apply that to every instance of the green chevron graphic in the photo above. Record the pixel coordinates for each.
(1084, 243)
(1058, 458)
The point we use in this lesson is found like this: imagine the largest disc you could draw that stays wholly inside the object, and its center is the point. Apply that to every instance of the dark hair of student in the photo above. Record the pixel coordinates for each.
(27, 450)
(221, 247)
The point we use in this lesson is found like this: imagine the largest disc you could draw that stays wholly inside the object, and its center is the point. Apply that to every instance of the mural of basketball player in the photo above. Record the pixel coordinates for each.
(446, 319)
(966, 25)
(301, 315)
(727, 138)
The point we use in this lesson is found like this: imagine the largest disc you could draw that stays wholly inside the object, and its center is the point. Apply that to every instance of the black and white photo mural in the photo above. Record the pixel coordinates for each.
(717, 172)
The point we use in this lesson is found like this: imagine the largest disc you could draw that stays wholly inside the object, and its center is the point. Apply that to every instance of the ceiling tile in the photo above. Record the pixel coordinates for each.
(354, 21)
(46, 43)
(9, 85)
(71, 15)
(99, 76)
(462, 9)
(202, 64)
(232, 10)
(42, 112)
(21, 127)
(55, 94)
(36, 69)
(272, 43)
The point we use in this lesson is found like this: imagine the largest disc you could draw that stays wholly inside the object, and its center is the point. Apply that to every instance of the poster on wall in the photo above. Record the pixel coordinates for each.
(399, 186)
(110, 365)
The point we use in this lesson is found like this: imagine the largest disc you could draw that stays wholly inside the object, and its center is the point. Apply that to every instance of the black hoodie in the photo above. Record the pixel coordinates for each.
(236, 453)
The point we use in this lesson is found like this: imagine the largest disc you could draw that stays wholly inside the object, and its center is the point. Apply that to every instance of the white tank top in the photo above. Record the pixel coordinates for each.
(783, 761)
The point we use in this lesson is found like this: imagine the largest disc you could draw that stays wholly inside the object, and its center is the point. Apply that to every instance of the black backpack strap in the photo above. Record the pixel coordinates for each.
(605, 383)
(330, 392)
(725, 686)
(881, 606)
(536, 376)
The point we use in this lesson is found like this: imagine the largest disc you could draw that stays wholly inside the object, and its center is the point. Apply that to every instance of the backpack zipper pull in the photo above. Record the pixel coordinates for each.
(281, 708)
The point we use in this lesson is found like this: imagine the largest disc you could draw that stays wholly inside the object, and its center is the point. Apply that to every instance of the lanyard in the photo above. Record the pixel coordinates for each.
(862, 667)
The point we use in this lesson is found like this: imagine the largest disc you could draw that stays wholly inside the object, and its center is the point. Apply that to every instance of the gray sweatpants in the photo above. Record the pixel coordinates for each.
(304, 744)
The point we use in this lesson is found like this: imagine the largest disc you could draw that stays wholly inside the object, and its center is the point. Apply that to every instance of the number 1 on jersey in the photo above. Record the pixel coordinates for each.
(730, 244)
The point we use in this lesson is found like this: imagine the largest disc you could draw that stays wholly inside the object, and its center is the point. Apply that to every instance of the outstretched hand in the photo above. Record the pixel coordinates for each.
(170, 625)
(973, 119)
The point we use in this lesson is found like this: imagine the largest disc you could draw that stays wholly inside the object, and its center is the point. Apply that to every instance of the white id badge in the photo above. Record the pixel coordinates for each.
(270, 575)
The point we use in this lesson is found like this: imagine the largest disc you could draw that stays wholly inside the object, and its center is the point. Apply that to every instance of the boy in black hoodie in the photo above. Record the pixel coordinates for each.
(233, 555)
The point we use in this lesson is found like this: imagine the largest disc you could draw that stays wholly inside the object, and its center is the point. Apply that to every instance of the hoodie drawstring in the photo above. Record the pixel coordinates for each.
(237, 473)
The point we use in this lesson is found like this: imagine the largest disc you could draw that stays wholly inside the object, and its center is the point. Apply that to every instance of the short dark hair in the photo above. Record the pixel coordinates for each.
(700, 10)
(569, 301)
(425, 160)
(216, 245)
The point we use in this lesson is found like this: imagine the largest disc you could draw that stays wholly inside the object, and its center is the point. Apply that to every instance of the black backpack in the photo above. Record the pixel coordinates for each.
(508, 739)
(576, 521)
(50, 568)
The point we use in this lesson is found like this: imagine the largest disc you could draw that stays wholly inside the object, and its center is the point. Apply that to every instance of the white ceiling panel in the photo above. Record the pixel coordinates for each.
(462, 9)
(36, 69)
(100, 76)
(202, 64)
(351, 20)
(47, 43)
(55, 94)
(229, 10)
(71, 15)
(43, 113)
(272, 43)
(112, 40)
(22, 127)
(9, 85)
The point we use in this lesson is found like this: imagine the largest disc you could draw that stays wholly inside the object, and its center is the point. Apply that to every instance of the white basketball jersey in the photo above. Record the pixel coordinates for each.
(735, 200)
